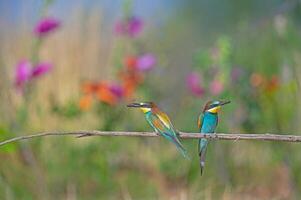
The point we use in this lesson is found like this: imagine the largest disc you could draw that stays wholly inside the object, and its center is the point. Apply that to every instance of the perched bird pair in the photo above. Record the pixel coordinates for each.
(160, 122)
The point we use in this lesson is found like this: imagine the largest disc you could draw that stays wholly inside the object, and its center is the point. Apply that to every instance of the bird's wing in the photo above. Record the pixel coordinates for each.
(200, 121)
(164, 119)
(207, 125)
(162, 124)
(200, 124)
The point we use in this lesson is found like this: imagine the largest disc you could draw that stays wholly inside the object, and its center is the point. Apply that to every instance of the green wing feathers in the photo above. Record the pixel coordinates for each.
(163, 125)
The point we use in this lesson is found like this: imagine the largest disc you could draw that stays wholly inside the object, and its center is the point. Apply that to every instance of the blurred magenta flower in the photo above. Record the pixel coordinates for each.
(134, 26)
(193, 81)
(216, 87)
(41, 69)
(146, 62)
(131, 26)
(22, 73)
(117, 90)
(46, 25)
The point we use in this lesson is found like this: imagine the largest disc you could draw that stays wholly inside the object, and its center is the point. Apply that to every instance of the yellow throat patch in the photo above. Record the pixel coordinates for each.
(145, 110)
(215, 109)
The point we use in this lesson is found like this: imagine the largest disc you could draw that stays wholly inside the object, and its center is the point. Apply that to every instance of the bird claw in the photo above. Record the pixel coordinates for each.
(157, 133)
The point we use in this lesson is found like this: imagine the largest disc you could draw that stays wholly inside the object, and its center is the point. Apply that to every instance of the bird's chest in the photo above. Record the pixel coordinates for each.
(148, 116)
(209, 123)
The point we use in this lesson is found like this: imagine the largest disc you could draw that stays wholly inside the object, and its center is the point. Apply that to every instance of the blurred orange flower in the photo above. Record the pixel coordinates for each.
(85, 102)
(90, 87)
(105, 95)
(104, 92)
(130, 62)
(130, 77)
(273, 84)
(130, 81)
(256, 79)
(267, 85)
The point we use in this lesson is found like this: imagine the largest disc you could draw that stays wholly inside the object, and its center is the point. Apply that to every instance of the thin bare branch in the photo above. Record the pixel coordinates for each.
(217, 136)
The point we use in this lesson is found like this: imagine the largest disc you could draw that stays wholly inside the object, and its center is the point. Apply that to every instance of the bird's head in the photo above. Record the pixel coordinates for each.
(214, 106)
(144, 106)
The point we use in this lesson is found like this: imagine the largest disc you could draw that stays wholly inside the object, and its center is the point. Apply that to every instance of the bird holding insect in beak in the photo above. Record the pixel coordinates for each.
(161, 123)
(207, 123)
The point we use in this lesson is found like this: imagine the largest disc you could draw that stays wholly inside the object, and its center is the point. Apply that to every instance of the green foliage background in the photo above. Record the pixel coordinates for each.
(254, 36)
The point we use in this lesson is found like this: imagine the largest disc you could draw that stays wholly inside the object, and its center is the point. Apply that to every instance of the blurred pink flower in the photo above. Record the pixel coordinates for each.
(146, 62)
(216, 87)
(45, 26)
(117, 90)
(193, 81)
(41, 69)
(25, 72)
(131, 26)
(22, 73)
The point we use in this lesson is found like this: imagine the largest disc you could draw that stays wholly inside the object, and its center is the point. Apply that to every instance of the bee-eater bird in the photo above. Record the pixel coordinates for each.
(207, 123)
(161, 123)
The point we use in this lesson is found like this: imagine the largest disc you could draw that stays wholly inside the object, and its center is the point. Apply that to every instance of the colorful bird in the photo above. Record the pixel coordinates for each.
(207, 123)
(161, 123)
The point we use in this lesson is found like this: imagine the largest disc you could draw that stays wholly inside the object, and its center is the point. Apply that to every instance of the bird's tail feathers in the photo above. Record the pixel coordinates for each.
(177, 133)
(202, 153)
(181, 148)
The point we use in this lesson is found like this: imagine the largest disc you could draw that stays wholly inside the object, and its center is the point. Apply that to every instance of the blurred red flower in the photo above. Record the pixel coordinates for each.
(130, 81)
(130, 62)
(272, 85)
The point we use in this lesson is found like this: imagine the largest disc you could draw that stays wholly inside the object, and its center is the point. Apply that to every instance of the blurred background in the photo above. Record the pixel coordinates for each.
(74, 65)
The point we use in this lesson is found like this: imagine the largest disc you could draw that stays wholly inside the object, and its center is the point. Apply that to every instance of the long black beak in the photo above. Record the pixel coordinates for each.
(224, 102)
(134, 105)
(138, 105)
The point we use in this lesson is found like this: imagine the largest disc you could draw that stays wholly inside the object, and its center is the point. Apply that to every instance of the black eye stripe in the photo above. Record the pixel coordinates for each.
(213, 105)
